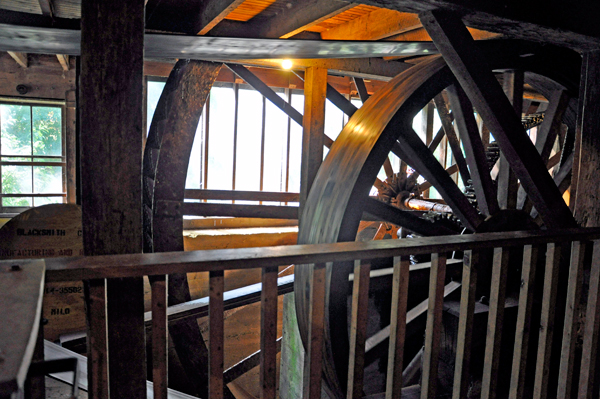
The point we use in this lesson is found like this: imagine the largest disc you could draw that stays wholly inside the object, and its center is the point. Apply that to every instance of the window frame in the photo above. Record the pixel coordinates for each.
(8, 211)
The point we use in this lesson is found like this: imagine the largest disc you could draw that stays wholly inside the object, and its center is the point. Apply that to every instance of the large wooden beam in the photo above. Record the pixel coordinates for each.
(587, 211)
(213, 12)
(376, 25)
(313, 129)
(560, 23)
(468, 65)
(112, 62)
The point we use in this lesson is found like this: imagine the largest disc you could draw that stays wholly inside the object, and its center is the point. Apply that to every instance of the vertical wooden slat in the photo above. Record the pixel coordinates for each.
(567, 358)
(462, 377)
(314, 357)
(216, 335)
(358, 328)
(495, 320)
(433, 329)
(591, 329)
(519, 365)
(206, 140)
(313, 129)
(159, 336)
(268, 333)
(236, 96)
(427, 129)
(542, 370)
(395, 366)
(262, 144)
(97, 345)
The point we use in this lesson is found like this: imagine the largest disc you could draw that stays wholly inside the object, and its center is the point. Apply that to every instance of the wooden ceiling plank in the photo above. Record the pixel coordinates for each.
(214, 11)
(64, 61)
(469, 66)
(290, 21)
(376, 25)
(20, 58)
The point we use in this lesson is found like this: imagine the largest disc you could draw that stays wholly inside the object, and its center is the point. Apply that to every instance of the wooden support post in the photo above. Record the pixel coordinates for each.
(358, 329)
(434, 322)
(587, 211)
(315, 89)
(112, 66)
(216, 337)
(71, 144)
(316, 314)
(268, 333)
(160, 341)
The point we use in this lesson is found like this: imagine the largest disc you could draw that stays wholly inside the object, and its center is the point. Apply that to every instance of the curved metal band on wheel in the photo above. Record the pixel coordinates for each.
(339, 193)
(166, 159)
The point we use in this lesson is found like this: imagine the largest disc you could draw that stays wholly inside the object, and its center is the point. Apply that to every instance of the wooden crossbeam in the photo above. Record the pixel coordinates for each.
(213, 12)
(64, 61)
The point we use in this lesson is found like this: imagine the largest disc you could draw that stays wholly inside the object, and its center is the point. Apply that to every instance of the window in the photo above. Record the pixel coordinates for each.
(32, 151)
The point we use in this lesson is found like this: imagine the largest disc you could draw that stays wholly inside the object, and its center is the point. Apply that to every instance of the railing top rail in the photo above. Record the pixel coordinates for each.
(136, 265)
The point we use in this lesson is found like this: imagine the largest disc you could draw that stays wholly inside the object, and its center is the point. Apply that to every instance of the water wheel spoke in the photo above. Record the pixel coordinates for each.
(549, 131)
(476, 158)
(437, 139)
(402, 218)
(470, 68)
(446, 119)
(424, 161)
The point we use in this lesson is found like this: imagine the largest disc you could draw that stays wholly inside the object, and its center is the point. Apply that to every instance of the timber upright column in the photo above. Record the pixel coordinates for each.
(111, 84)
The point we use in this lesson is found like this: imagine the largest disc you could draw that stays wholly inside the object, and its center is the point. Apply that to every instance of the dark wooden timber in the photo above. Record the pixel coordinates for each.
(398, 322)
(508, 185)
(268, 333)
(111, 151)
(362, 89)
(216, 335)
(586, 207)
(56, 41)
(248, 211)
(519, 366)
(97, 345)
(589, 349)
(446, 119)
(474, 150)
(462, 378)
(542, 370)
(314, 351)
(165, 166)
(469, 67)
(358, 328)
(493, 342)
(571, 326)
(160, 342)
(434, 319)
(21, 290)
(313, 129)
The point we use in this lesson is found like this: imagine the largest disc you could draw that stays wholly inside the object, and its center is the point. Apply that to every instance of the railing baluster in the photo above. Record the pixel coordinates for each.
(495, 320)
(358, 328)
(397, 327)
(519, 365)
(268, 333)
(216, 335)
(97, 350)
(314, 357)
(542, 370)
(462, 379)
(591, 329)
(567, 358)
(159, 336)
(434, 324)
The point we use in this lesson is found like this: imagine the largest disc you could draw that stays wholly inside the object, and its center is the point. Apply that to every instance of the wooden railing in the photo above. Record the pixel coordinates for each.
(503, 245)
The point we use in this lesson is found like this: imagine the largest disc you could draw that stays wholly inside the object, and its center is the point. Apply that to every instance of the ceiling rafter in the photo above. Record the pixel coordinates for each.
(214, 11)
(295, 18)
(20, 58)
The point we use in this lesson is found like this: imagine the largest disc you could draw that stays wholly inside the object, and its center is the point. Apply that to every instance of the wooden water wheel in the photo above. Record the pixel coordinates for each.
(340, 193)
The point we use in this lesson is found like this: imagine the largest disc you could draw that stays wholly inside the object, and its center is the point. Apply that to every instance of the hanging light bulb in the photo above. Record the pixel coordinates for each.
(286, 64)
